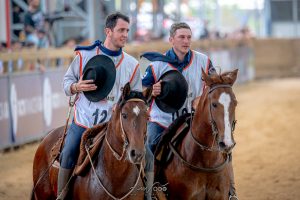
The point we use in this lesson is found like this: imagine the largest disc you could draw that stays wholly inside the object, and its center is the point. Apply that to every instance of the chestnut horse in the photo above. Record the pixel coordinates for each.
(115, 172)
(199, 167)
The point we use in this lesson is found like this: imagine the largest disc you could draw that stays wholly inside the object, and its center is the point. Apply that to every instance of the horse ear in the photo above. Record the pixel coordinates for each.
(208, 81)
(230, 77)
(126, 90)
(147, 93)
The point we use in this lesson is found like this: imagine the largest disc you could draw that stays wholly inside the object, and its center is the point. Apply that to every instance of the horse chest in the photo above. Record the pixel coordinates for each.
(184, 183)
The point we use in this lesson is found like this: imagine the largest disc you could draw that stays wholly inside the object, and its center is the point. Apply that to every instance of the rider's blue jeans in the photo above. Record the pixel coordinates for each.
(154, 132)
(69, 154)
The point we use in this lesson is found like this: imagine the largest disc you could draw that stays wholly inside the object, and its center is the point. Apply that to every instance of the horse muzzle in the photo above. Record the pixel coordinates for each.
(226, 148)
(136, 156)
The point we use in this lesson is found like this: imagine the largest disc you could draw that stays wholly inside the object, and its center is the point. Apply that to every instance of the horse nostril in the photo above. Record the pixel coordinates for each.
(132, 153)
(222, 145)
(136, 155)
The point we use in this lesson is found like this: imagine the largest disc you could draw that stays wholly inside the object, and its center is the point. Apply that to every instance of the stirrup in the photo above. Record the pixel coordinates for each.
(233, 197)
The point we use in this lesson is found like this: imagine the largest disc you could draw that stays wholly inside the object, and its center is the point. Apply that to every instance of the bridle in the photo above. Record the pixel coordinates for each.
(119, 157)
(214, 128)
(124, 135)
(215, 134)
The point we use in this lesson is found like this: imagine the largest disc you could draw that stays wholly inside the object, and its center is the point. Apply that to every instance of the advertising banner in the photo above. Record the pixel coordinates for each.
(55, 102)
(26, 106)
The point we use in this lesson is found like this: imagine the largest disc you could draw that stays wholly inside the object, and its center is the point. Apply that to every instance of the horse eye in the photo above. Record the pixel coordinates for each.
(124, 115)
(214, 105)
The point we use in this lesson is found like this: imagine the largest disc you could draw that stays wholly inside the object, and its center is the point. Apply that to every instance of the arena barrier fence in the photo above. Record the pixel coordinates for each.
(32, 101)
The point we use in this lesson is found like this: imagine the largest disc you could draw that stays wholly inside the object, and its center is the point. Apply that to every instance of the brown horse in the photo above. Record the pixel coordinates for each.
(199, 167)
(116, 170)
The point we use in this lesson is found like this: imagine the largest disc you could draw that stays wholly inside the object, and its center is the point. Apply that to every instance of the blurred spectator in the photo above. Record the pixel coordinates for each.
(74, 41)
(70, 43)
(242, 33)
(246, 33)
(16, 17)
(215, 35)
(205, 32)
(1, 67)
(2, 49)
(16, 46)
(43, 41)
(33, 21)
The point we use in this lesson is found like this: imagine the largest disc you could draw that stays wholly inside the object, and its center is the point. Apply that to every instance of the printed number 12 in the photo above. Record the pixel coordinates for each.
(96, 114)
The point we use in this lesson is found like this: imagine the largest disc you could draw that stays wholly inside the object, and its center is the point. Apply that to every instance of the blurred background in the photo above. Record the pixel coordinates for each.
(259, 37)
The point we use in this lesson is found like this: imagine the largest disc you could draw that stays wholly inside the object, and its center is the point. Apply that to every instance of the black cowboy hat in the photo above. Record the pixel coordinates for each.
(102, 70)
(174, 89)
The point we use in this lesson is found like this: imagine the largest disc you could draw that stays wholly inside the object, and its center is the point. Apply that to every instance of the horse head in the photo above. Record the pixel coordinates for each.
(215, 110)
(129, 124)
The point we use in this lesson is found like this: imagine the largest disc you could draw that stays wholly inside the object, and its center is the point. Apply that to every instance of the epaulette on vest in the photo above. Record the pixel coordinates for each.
(96, 43)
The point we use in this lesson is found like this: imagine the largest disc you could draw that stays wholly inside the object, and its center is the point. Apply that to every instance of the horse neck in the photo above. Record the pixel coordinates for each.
(115, 170)
(201, 127)
(114, 133)
(202, 131)
(116, 175)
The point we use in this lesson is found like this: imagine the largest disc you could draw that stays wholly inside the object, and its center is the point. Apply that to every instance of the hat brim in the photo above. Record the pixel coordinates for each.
(104, 65)
(177, 92)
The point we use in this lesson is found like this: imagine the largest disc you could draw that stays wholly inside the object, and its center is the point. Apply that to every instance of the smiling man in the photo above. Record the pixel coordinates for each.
(89, 112)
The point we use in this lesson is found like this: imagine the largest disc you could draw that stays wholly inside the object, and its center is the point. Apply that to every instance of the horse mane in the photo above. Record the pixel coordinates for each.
(220, 78)
(132, 95)
(215, 79)
(170, 132)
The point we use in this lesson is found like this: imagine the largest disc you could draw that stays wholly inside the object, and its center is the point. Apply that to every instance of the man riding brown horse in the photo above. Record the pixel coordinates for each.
(190, 64)
(114, 152)
(97, 76)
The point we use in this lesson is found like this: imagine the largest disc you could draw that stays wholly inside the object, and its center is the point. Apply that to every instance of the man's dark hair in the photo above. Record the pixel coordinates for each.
(178, 25)
(111, 20)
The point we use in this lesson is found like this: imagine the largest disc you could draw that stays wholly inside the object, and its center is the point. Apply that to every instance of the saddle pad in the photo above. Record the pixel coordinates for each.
(174, 130)
(92, 139)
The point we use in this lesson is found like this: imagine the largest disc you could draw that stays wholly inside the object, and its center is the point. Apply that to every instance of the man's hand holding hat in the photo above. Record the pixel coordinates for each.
(170, 91)
(83, 85)
(156, 89)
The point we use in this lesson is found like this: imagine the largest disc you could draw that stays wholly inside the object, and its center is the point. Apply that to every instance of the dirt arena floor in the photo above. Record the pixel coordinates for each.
(266, 158)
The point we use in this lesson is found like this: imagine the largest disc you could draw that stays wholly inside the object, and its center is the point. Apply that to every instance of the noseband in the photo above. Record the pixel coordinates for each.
(124, 135)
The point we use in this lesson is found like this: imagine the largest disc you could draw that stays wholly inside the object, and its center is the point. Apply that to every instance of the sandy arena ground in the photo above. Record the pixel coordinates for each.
(266, 158)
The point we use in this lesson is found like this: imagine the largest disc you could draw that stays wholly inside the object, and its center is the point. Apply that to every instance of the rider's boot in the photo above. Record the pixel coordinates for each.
(64, 176)
(149, 185)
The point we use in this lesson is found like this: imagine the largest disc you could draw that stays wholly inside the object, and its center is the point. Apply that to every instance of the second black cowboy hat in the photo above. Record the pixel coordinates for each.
(101, 69)
(174, 89)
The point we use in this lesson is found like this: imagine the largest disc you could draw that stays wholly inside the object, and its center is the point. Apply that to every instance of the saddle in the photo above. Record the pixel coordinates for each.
(174, 135)
(91, 139)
